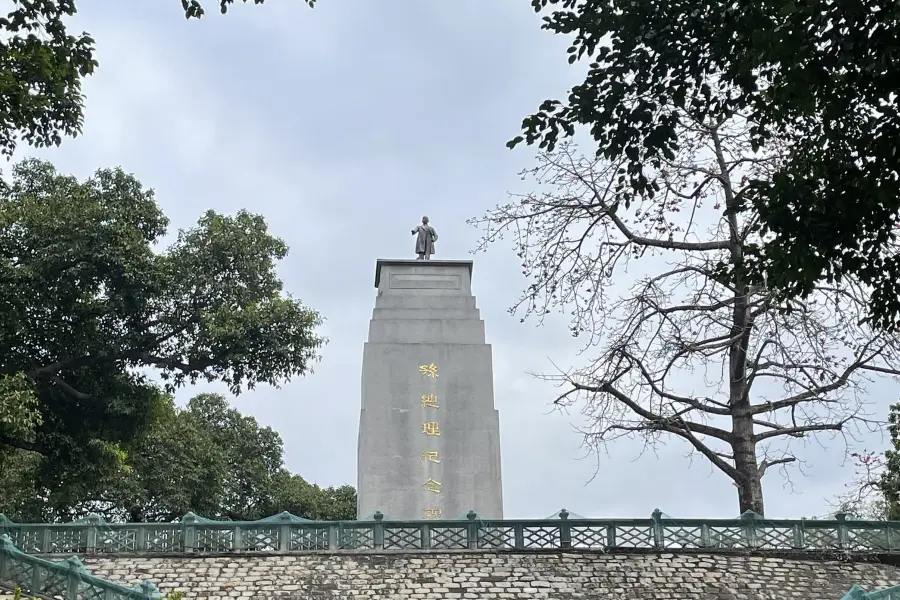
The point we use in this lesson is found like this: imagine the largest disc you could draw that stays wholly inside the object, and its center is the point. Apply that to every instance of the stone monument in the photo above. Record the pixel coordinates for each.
(429, 435)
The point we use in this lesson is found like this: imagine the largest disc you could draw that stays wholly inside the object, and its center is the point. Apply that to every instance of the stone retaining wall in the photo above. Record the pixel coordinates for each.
(476, 576)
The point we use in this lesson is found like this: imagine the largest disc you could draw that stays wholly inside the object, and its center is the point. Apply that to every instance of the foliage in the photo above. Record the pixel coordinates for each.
(42, 68)
(823, 74)
(17, 594)
(207, 458)
(889, 480)
(89, 309)
(19, 413)
(693, 349)
(301, 498)
(875, 491)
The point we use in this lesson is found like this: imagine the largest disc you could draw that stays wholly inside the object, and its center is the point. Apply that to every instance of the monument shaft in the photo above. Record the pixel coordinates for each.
(429, 436)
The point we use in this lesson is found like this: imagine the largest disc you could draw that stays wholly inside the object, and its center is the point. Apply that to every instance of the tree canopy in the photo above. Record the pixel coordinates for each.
(207, 458)
(691, 349)
(42, 67)
(90, 310)
(822, 74)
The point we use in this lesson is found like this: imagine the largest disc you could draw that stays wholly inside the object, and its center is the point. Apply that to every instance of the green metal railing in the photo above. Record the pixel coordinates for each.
(857, 593)
(66, 579)
(286, 533)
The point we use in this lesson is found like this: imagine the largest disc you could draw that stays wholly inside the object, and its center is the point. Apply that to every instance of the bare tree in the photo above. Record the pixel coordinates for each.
(773, 375)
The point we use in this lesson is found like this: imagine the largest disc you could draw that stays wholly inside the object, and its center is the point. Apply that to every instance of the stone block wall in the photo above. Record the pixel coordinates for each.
(498, 576)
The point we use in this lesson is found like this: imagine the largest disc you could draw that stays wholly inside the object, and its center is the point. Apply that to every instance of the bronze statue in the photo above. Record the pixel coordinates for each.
(427, 236)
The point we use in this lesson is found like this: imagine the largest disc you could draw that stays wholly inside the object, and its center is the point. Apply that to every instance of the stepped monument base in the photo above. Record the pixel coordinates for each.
(429, 435)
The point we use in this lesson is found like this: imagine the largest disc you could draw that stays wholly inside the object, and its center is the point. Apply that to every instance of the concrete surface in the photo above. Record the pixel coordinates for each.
(429, 442)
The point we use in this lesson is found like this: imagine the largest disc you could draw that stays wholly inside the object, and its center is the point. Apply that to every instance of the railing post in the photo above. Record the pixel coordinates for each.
(189, 531)
(799, 539)
(705, 541)
(333, 537)
(147, 589)
(73, 582)
(237, 539)
(141, 538)
(659, 537)
(611, 536)
(425, 536)
(285, 531)
(843, 533)
(472, 530)
(6, 548)
(74, 569)
(378, 531)
(565, 530)
(93, 533)
(37, 575)
(890, 536)
(46, 540)
(749, 527)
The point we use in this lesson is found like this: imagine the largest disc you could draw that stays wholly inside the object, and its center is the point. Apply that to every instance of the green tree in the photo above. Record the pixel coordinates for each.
(874, 492)
(42, 67)
(207, 458)
(888, 480)
(823, 75)
(299, 497)
(88, 310)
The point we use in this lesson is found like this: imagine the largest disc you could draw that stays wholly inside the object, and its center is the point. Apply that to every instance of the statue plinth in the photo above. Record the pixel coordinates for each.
(429, 435)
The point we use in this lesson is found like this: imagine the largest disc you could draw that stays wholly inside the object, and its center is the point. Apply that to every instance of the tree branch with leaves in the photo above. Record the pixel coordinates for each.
(824, 74)
(89, 305)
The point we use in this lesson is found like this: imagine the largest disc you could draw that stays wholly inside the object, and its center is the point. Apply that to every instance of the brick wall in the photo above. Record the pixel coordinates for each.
(476, 576)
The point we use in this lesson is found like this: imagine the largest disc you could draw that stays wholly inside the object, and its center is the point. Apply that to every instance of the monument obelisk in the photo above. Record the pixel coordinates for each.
(429, 435)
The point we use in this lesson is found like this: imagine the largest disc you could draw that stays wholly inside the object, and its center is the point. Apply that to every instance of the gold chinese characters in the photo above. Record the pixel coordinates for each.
(431, 428)
(430, 456)
(429, 370)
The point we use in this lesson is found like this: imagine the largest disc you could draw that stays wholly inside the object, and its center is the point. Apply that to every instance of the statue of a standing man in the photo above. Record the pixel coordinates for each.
(427, 236)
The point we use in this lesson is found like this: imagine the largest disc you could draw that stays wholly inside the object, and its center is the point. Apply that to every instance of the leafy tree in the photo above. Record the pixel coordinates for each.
(822, 74)
(875, 491)
(889, 478)
(89, 310)
(694, 350)
(42, 67)
(207, 458)
(299, 497)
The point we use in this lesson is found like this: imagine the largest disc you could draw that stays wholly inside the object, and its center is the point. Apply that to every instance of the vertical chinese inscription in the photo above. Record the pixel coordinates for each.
(431, 428)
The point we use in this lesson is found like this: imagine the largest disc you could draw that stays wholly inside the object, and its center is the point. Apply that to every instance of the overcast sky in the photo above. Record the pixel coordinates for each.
(343, 125)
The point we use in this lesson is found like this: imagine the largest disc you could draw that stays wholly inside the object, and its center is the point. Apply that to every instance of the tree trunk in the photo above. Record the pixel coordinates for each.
(743, 445)
(750, 494)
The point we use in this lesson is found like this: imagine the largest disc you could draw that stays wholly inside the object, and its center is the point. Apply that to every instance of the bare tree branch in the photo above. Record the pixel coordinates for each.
(686, 347)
